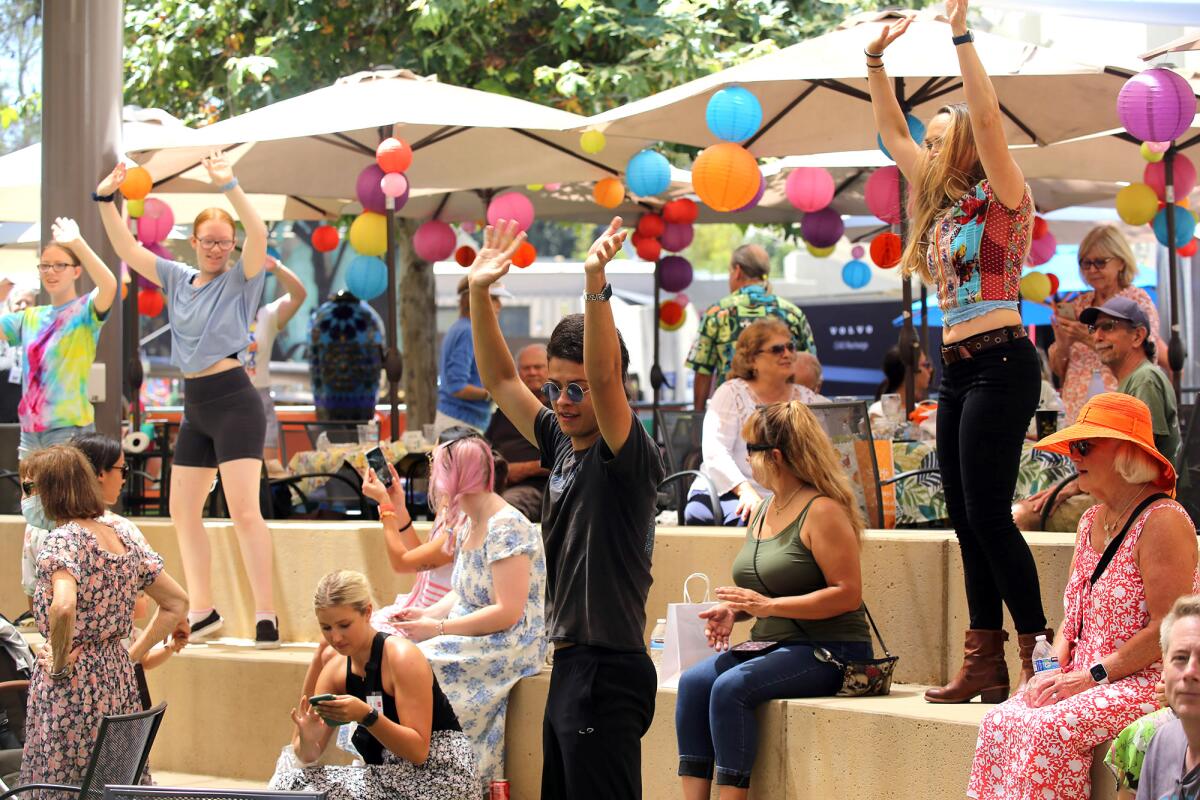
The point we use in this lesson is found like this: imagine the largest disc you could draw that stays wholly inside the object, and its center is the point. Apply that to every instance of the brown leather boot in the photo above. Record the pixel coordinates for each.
(1026, 643)
(983, 671)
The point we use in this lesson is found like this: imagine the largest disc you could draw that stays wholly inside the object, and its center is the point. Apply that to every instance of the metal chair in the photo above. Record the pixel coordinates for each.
(681, 432)
(166, 793)
(118, 756)
(849, 429)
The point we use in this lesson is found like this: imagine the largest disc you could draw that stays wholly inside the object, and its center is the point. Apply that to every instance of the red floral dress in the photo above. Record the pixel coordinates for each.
(64, 716)
(1045, 753)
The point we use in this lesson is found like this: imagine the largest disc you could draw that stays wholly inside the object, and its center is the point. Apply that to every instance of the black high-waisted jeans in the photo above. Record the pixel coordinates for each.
(984, 409)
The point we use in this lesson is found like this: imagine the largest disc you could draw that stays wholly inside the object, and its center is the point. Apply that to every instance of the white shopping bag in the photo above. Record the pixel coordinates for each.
(685, 643)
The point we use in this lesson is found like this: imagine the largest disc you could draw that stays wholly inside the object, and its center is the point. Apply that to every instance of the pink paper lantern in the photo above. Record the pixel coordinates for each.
(674, 274)
(368, 190)
(1042, 250)
(810, 188)
(394, 184)
(156, 221)
(857, 252)
(1155, 177)
(511, 205)
(1158, 147)
(676, 237)
(822, 228)
(883, 194)
(434, 241)
(1156, 105)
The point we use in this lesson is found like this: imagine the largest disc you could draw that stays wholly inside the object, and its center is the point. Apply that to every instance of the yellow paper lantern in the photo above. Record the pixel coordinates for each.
(368, 234)
(608, 192)
(821, 252)
(725, 176)
(135, 208)
(1036, 287)
(1150, 155)
(534, 187)
(1137, 204)
(592, 142)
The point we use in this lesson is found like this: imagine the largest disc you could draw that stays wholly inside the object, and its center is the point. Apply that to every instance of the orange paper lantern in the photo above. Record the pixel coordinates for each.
(526, 254)
(465, 255)
(886, 249)
(137, 183)
(393, 155)
(725, 176)
(608, 192)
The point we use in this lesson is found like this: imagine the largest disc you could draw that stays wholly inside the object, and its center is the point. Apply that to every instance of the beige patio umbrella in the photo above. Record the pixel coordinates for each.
(1183, 44)
(1110, 156)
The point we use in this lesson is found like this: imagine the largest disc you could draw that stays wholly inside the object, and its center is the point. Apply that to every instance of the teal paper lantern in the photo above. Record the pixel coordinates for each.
(916, 129)
(366, 277)
(856, 274)
(648, 173)
(1185, 226)
(733, 114)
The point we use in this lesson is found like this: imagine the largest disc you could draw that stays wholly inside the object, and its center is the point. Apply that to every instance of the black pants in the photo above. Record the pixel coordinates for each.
(600, 705)
(984, 409)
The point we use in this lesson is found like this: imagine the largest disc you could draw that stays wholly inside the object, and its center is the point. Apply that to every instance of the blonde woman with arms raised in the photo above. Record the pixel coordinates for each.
(972, 220)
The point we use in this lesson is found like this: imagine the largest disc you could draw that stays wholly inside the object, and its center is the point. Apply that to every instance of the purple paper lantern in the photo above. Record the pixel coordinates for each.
(822, 228)
(676, 236)
(762, 188)
(369, 192)
(674, 274)
(1156, 105)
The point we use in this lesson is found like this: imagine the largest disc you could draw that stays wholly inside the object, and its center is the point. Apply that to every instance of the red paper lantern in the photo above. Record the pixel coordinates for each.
(393, 155)
(725, 176)
(1053, 282)
(526, 254)
(325, 238)
(150, 302)
(651, 225)
(680, 212)
(886, 249)
(670, 315)
(1040, 227)
(649, 249)
(1189, 249)
(465, 255)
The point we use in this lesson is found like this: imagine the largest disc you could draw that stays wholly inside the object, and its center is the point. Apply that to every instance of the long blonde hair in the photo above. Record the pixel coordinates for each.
(807, 452)
(940, 183)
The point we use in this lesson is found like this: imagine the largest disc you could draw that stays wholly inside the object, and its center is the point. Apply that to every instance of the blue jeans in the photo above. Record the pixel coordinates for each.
(40, 440)
(714, 712)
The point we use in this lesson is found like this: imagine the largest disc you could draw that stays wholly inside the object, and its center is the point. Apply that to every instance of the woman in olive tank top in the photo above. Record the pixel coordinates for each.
(798, 576)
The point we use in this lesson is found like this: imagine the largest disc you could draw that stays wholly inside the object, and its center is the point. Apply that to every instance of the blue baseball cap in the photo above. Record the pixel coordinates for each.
(1118, 308)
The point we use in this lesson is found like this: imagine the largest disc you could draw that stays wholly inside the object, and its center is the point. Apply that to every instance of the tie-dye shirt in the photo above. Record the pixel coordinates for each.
(60, 346)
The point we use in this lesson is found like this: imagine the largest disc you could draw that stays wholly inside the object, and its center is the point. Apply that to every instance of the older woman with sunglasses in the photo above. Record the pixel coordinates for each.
(1135, 554)
(762, 373)
(1107, 264)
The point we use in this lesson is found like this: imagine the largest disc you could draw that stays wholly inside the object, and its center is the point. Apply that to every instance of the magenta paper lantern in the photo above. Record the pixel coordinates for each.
(368, 190)
(511, 205)
(434, 241)
(1042, 250)
(810, 188)
(676, 237)
(762, 188)
(156, 221)
(883, 194)
(1155, 177)
(822, 228)
(1156, 105)
(674, 274)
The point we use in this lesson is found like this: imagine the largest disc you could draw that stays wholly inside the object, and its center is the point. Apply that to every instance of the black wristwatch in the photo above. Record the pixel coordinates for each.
(370, 719)
(966, 38)
(1099, 673)
(605, 293)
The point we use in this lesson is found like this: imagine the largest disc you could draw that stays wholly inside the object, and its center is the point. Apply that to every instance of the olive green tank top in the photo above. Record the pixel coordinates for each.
(785, 565)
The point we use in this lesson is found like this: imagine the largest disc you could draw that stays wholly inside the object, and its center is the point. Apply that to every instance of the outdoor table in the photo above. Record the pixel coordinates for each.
(331, 458)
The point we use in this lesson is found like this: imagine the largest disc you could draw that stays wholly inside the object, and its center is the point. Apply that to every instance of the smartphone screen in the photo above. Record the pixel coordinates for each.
(378, 462)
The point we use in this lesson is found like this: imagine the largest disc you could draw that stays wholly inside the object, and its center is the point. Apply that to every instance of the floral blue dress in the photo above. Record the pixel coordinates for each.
(477, 672)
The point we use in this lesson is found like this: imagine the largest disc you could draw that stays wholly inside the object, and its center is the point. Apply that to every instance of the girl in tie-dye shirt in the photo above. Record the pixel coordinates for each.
(59, 340)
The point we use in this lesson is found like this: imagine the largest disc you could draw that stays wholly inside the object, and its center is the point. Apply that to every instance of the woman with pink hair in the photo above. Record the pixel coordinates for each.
(489, 631)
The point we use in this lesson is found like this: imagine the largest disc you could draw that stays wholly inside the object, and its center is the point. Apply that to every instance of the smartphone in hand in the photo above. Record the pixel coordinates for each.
(377, 461)
(317, 699)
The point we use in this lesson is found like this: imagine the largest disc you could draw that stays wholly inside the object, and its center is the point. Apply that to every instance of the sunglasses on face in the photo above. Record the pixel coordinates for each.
(779, 349)
(574, 392)
(1106, 325)
(1088, 264)
(1081, 447)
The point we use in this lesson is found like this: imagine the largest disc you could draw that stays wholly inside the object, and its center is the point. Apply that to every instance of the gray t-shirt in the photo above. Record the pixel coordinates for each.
(1162, 772)
(598, 527)
(212, 321)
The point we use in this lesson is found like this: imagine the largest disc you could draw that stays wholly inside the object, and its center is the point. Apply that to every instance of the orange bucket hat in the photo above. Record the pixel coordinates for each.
(1113, 415)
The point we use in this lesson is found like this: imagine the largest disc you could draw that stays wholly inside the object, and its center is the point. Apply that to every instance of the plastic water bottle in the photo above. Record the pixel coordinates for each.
(658, 642)
(1044, 660)
(1096, 385)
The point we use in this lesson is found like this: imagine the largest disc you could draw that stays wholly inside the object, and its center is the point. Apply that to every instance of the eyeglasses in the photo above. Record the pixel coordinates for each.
(57, 266)
(574, 391)
(1087, 264)
(1081, 447)
(27, 487)
(220, 244)
(1106, 325)
(125, 470)
(779, 349)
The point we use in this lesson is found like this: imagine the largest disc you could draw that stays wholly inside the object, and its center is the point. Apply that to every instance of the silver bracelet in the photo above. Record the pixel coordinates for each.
(441, 627)
(61, 674)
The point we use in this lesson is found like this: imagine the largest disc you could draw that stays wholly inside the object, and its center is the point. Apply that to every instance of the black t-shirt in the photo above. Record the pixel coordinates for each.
(598, 528)
(511, 443)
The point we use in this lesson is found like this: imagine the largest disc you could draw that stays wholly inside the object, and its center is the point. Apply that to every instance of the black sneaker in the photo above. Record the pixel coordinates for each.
(206, 627)
(266, 635)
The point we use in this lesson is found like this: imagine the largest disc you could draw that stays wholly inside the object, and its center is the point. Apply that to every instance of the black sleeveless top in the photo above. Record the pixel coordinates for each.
(444, 718)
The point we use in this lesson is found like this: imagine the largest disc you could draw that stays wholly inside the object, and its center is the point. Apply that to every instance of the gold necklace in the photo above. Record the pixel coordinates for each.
(782, 506)
(1110, 524)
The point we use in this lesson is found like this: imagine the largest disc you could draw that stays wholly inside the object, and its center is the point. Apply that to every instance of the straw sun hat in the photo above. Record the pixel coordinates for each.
(1114, 416)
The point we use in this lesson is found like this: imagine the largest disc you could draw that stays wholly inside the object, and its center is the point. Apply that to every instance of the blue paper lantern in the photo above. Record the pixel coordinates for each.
(274, 253)
(1185, 226)
(916, 129)
(856, 274)
(733, 114)
(366, 277)
(648, 173)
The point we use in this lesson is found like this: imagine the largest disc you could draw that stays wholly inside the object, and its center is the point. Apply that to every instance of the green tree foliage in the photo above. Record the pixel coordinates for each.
(20, 65)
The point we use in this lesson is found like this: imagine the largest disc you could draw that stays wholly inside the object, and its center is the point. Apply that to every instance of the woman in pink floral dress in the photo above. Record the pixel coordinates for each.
(1038, 745)
(89, 573)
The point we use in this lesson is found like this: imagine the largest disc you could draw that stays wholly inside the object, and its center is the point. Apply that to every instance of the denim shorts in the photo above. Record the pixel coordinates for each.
(40, 440)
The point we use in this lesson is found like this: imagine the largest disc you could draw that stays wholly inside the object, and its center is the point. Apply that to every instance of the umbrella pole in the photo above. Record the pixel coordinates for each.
(1176, 352)
(656, 376)
(908, 337)
(133, 365)
(392, 364)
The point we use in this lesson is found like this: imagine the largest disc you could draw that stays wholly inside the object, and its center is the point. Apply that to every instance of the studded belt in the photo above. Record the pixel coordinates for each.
(967, 348)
